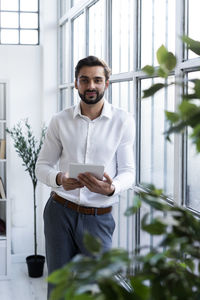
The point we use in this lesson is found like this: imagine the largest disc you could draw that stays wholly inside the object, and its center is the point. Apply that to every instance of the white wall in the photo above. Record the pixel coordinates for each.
(31, 72)
(48, 104)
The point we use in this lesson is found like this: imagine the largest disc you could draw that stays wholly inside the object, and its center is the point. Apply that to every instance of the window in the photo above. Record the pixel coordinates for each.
(97, 30)
(156, 153)
(157, 28)
(19, 22)
(192, 164)
(193, 22)
(122, 36)
(127, 35)
(78, 40)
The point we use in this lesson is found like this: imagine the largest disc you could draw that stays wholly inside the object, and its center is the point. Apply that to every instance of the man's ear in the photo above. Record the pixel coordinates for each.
(75, 84)
(107, 83)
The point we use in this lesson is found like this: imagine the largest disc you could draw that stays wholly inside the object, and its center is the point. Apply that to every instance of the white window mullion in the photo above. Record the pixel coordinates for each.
(108, 32)
(59, 45)
(178, 141)
(86, 31)
(70, 60)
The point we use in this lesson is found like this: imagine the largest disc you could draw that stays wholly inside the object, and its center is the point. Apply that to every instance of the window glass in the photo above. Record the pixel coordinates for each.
(28, 20)
(75, 2)
(9, 36)
(96, 29)
(122, 36)
(29, 37)
(193, 163)
(9, 20)
(64, 53)
(122, 95)
(66, 101)
(193, 22)
(9, 4)
(192, 189)
(78, 40)
(75, 96)
(65, 5)
(145, 238)
(30, 5)
(157, 28)
(156, 160)
(19, 15)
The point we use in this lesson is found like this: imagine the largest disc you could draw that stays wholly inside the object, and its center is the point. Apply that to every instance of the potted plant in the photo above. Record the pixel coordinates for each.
(28, 148)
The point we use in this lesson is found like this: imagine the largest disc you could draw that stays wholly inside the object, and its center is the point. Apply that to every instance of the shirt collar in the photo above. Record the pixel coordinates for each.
(106, 111)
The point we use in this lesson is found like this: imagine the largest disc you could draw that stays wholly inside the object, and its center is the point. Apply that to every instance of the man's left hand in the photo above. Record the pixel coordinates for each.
(95, 185)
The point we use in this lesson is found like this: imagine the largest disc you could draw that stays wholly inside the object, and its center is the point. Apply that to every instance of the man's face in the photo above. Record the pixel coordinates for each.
(91, 84)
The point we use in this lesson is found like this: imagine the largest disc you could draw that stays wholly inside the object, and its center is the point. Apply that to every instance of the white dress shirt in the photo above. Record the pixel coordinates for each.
(107, 140)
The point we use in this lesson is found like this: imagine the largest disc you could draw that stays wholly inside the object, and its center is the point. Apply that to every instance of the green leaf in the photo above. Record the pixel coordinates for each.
(92, 243)
(172, 117)
(155, 227)
(61, 291)
(58, 275)
(140, 289)
(162, 73)
(170, 61)
(134, 208)
(114, 290)
(197, 87)
(155, 258)
(193, 45)
(84, 297)
(198, 145)
(167, 61)
(187, 109)
(176, 128)
(196, 131)
(162, 55)
(186, 97)
(195, 136)
(149, 70)
(190, 264)
(153, 89)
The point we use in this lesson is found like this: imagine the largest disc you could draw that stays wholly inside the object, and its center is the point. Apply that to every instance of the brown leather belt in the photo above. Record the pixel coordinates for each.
(81, 209)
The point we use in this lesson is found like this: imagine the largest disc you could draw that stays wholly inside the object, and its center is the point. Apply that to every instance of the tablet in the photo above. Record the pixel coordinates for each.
(75, 169)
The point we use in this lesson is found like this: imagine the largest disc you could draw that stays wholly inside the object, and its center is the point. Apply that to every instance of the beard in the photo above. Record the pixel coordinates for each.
(91, 100)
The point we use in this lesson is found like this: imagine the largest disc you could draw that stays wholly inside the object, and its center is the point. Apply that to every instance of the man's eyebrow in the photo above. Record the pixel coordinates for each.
(96, 77)
(99, 77)
(83, 76)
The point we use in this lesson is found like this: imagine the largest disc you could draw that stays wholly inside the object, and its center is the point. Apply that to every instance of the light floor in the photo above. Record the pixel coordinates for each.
(22, 287)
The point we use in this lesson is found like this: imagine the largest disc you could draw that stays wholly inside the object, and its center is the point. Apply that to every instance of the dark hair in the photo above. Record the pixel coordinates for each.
(92, 61)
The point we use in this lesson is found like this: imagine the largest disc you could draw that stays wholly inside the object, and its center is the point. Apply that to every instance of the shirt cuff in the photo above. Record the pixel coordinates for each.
(117, 187)
(111, 194)
(52, 178)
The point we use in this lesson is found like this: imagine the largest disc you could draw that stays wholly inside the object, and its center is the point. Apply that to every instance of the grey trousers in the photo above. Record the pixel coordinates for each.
(64, 229)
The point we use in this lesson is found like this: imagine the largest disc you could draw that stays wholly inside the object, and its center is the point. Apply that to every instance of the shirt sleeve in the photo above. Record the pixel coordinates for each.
(125, 178)
(46, 166)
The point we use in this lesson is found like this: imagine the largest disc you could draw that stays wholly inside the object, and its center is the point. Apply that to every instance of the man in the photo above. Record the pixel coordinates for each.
(92, 132)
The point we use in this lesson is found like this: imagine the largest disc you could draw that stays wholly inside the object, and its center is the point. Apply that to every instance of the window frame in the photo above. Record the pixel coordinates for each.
(136, 75)
(19, 28)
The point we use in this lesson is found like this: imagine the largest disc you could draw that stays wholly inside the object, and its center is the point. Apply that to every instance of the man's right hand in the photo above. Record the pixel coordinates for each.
(68, 183)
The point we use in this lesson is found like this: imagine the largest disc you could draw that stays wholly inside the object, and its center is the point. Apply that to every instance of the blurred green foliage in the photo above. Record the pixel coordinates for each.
(188, 111)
